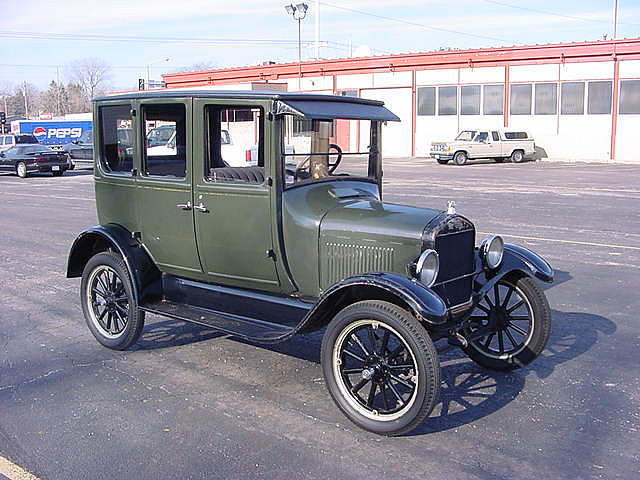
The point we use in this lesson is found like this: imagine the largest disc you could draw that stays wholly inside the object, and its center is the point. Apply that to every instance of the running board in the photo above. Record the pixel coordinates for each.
(242, 327)
(243, 313)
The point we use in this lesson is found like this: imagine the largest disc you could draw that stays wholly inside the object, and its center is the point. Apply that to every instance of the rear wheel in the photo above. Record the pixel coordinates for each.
(460, 158)
(517, 156)
(21, 170)
(510, 326)
(108, 304)
(381, 367)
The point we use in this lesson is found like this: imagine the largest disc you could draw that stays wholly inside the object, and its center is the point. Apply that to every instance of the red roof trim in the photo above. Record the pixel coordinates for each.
(531, 54)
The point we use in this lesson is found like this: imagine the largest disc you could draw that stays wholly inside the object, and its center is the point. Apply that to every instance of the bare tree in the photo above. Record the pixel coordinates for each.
(91, 75)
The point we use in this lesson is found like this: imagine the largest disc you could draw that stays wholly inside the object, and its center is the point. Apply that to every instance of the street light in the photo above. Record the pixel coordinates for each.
(298, 12)
(165, 59)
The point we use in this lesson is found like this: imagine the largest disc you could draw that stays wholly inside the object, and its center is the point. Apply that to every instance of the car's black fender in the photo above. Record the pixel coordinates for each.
(516, 259)
(142, 271)
(423, 302)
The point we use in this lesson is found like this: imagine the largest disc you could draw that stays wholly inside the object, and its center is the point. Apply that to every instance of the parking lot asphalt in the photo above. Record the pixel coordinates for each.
(188, 402)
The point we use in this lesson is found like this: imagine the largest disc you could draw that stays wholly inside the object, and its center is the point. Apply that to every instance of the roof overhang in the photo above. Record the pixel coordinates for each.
(328, 110)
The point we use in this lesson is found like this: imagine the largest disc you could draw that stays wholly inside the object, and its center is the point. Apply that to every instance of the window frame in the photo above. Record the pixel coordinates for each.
(206, 109)
(484, 97)
(593, 82)
(541, 85)
(562, 95)
(100, 157)
(531, 98)
(628, 82)
(457, 101)
(143, 140)
(479, 104)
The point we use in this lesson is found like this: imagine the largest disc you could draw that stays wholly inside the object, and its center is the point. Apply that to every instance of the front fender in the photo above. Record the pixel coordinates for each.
(141, 268)
(515, 259)
(423, 302)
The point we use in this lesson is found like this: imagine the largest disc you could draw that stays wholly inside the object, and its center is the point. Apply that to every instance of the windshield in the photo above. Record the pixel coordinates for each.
(320, 150)
(466, 135)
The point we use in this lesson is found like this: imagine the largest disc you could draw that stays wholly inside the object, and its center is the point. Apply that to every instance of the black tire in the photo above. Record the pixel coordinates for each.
(504, 314)
(407, 357)
(517, 156)
(460, 158)
(442, 161)
(58, 173)
(21, 170)
(119, 323)
(498, 159)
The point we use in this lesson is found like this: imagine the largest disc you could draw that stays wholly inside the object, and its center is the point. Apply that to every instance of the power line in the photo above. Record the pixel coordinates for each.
(415, 24)
(555, 14)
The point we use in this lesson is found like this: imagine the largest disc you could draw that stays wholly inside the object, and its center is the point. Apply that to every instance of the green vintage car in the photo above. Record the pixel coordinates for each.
(299, 242)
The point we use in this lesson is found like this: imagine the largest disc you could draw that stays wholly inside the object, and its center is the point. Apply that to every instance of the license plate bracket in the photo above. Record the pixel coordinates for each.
(55, 168)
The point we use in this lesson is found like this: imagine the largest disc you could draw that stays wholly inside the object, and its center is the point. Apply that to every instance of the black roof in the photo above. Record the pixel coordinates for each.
(236, 94)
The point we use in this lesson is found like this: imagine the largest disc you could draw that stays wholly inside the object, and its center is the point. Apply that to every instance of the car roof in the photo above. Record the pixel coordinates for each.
(234, 95)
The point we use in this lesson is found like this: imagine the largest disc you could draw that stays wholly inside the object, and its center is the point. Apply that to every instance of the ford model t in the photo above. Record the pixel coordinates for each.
(263, 218)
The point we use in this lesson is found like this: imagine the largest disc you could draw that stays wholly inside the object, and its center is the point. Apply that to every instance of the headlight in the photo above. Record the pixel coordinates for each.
(447, 149)
(427, 267)
(491, 250)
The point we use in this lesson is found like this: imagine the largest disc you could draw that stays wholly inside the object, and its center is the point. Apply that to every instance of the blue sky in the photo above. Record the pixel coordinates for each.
(53, 34)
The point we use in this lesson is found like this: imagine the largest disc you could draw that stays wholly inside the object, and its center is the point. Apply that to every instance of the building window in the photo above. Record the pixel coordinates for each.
(493, 99)
(470, 100)
(629, 96)
(572, 98)
(521, 99)
(599, 99)
(116, 139)
(546, 99)
(426, 101)
(447, 100)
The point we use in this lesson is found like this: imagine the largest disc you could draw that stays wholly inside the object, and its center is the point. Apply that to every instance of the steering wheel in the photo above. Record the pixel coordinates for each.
(334, 165)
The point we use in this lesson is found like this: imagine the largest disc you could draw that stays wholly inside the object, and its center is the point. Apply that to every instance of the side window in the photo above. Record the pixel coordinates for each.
(521, 99)
(447, 100)
(599, 98)
(115, 146)
(496, 136)
(572, 98)
(426, 101)
(470, 100)
(234, 144)
(482, 137)
(165, 133)
(493, 98)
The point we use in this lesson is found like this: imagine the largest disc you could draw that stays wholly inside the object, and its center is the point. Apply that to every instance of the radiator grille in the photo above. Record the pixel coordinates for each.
(345, 260)
(456, 252)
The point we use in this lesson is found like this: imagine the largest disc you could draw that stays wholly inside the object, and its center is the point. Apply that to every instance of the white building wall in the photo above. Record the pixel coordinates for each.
(396, 136)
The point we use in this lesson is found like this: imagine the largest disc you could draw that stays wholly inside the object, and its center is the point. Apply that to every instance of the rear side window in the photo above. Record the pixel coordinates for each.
(165, 129)
(516, 135)
(116, 155)
(496, 136)
(26, 139)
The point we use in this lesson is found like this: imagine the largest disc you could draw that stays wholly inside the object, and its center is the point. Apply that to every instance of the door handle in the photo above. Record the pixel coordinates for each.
(201, 208)
(184, 206)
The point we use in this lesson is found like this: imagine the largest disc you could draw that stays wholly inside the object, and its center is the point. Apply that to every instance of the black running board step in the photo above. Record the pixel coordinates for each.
(243, 327)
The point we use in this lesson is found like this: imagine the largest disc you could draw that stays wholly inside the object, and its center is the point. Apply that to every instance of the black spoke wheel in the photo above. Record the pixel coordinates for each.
(381, 367)
(510, 326)
(108, 303)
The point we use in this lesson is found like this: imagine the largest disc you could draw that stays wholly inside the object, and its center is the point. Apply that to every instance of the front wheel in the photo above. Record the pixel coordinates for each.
(510, 326)
(108, 303)
(381, 367)
(21, 169)
(460, 158)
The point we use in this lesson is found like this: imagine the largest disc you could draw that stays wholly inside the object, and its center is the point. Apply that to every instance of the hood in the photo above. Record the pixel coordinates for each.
(369, 236)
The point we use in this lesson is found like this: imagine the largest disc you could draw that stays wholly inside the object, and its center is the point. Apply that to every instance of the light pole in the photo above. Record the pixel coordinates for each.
(298, 12)
(165, 59)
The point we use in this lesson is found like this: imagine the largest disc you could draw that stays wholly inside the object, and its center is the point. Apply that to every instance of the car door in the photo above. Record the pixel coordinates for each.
(479, 147)
(164, 188)
(232, 204)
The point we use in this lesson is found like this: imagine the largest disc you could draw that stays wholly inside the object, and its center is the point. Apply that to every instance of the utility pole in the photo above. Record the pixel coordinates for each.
(26, 105)
(615, 19)
(317, 18)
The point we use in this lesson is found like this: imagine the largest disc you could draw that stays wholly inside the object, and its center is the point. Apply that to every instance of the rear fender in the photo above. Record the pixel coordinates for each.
(423, 302)
(142, 270)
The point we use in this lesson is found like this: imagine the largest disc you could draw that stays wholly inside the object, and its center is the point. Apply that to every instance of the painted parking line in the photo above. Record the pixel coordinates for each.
(52, 196)
(574, 242)
(11, 471)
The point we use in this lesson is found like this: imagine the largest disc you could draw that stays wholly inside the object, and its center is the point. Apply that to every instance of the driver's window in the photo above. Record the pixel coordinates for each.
(482, 137)
(234, 144)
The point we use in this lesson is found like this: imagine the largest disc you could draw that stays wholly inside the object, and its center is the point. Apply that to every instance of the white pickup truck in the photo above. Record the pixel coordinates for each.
(496, 144)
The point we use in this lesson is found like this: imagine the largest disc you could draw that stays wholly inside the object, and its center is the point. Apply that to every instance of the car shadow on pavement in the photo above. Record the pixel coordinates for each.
(469, 392)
